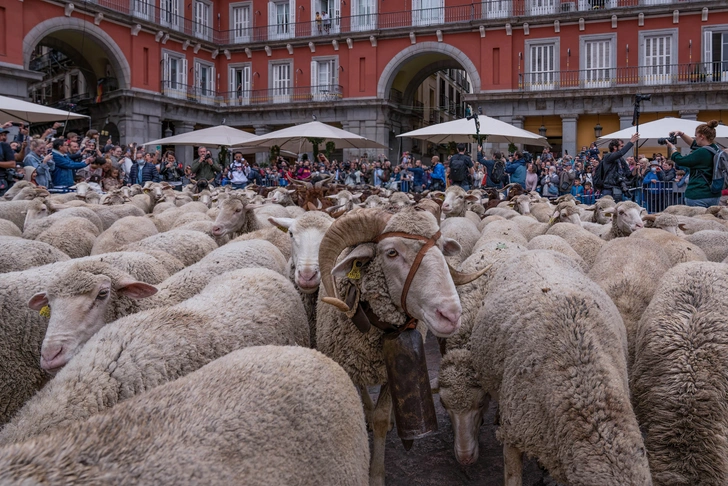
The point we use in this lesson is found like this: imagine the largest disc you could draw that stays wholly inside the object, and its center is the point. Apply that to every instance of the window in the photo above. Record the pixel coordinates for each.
(281, 23)
(589, 5)
(597, 60)
(541, 65)
(241, 28)
(427, 12)
(658, 56)
(281, 82)
(144, 9)
(240, 85)
(497, 9)
(174, 75)
(364, 15)
(324, 79)
(202, 20)
(715, 53)
(169, 13)
(333, 9)
(542, 7)
(204, 82)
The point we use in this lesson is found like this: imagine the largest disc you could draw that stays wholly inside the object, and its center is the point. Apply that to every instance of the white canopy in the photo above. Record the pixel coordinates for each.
(221, 135)
(24, 111)
(651, 131)
(463, 130)
(296, 138)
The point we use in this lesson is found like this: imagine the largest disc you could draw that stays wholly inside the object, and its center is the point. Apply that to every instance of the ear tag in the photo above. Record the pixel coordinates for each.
(355, 272)
(285, 230)
(551, 220)
(45, 312)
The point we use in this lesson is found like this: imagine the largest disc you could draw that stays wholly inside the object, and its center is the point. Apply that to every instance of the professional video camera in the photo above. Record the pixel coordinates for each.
(672, 139)
(639, 98)
(527, 157)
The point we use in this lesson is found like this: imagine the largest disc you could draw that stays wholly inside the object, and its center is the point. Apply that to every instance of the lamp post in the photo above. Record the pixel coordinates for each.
(597, 130)
(542, 130)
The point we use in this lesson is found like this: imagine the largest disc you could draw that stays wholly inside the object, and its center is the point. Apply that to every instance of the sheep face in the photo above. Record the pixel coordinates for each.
(234, 213)
(36, 210)
(455, 201)
(627, 217)
(282, 196)
(78, 310)
(567, 213)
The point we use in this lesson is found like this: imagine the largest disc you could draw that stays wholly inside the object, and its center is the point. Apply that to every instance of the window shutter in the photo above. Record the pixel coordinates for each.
(213, 82)
(272, 21)
(314, 74)
(183, 73)
(231, 82)
(165, 68)
(292, 17)
(246, 80)
(708, 51)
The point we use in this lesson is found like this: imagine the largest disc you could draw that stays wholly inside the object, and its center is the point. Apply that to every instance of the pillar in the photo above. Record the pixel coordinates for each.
(262, 157)
(689, 115)
(625, 120)
(184, 153)
(568, 134)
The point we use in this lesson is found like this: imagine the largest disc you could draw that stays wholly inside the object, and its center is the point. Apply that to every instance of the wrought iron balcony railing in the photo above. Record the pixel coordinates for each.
(298, 94)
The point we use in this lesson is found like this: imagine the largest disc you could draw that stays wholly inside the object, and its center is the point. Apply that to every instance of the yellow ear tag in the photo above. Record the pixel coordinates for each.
(285, 230)
(45, 312)
(355, 272)
(551, 220)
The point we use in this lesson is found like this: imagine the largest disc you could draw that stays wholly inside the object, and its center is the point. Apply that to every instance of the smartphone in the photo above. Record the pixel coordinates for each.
(49, 150)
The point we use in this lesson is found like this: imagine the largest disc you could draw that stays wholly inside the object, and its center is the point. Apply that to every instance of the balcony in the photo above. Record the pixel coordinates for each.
(256, 97)
(656, 75)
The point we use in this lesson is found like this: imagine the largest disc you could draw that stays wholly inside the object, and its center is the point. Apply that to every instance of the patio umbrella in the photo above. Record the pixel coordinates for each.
(651, 131)
(296, 138)
(221, 135)
(463, 130)
(24, 111)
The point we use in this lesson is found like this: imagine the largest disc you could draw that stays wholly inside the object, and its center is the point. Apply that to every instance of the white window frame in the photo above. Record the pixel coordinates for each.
(334, 17)
(174, 88)
(589, 5)
(173, 13)
(202, 26)
(327, 91)
(428, 12)
(241, 34)
(595, 77)
(143, 9)
(650, 76)
(280, 94)
(364, 15)
(714, 71)
(540, 80)
(205, 94)
(281, 30)
(497, 9)
(543, 7)
(240, 95)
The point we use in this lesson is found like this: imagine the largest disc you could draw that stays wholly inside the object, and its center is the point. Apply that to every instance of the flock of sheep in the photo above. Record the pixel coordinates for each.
(159, 337)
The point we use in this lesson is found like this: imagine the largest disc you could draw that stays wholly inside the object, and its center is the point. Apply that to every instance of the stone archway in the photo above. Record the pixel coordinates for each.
(116, 57)
(403, 57)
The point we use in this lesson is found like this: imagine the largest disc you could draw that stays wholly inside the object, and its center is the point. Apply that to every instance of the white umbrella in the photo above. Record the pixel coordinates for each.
(296, 138)
(222, 135)
(24, 111)
(651, 131)
(463, 130)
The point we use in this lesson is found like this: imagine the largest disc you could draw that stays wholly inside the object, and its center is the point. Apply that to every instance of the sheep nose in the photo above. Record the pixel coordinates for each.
(216, 230)
(51, 352)
(451, 315)
(308, 274)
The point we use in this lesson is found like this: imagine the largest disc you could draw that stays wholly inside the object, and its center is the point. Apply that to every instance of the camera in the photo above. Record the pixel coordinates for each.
(672, 139)
(527, 157)
(623, 184)
(642, 97)
(208, 156)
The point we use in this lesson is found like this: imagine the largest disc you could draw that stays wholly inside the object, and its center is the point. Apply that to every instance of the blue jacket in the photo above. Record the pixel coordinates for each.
(489, 164)
(42, 171)
(517, 169)
(63, 173)
(438, 172)
(149, 173)
(418, 175)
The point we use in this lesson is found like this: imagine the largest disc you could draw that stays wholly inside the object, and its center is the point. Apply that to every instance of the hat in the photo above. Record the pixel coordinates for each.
(4, 130)
(29, 169)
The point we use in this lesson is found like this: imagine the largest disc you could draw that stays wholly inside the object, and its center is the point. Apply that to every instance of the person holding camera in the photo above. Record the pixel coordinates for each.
(615, 170)
(63, 174)
(205, 168)
(700, 163)
(41, 160)
(172, 171)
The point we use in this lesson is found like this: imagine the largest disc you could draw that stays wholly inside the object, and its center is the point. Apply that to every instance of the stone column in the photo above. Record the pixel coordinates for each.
(689, 115)
(184, 153)
(568, 134)
(262, 157)
(625, 119)
(517, 121)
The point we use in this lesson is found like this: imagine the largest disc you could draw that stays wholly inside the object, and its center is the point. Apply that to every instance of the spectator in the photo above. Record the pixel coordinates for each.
(377, 175)
(63, 175)
(531, 178)
(116, 156)
(188, 177)
(205, 167)
(94, 183)
(94, 168)
(438, 175)
(31, 175)
(254, 174)
(588, 197)
(304, 171)
(577, 190)
(517, 170)
(550, 183)
(667, 174)
(460, 166)
(418, 177)
(143, 171)
(327, 21)
(700, 163)
(112, 180)
(319, 22)
(615, 168)
(172, 170)
(42, 161)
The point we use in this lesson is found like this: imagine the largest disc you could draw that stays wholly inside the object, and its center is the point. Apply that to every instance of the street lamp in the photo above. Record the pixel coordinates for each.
(542, 130)
(167, 132)
(597, 130)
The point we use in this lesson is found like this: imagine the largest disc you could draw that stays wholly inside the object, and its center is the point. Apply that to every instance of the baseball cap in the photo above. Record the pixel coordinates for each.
(4, 130)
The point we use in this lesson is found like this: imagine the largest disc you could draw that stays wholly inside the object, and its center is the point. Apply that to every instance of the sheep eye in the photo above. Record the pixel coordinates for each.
(102, 295)
(238, 210)
(391, 253)
(290, 233)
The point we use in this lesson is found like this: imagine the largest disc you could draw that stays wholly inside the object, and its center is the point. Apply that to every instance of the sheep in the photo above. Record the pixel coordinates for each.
(305, 234)
(147, 349)
(558, 370)
(236, 217)
(680, 210)
(487, 220)
(190, 217)
(214, 425)
(282, 196)
(14, 211)
(122, 232)
(110, 214)
(664, 221)
(29, 193)
(399, 199)
(641, 265)
(678, 249)
(600, 211)
(465, 233)
(693, 225)
(376, 202)
(505, 212)
(20, 372)
(17, 254)
(455, 202)
(679, 380)
(713, 243)
(381, 269)
(8, 228)
(189, 246)
(274, 235)
(13, 191)
(626, 219)
(559, 245)
(501, 231)
(586, 244)
(73, 236)
(40, 216)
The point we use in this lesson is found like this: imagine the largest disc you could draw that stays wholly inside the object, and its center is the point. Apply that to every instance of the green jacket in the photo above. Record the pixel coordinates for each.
(203, 170)
(700, 164)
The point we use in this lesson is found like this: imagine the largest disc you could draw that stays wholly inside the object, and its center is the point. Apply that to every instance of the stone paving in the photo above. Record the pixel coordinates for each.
(431, 461)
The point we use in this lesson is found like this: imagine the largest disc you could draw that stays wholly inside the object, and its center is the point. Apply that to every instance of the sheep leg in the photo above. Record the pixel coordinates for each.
(380, 425)
(366, 400)
(513, 466)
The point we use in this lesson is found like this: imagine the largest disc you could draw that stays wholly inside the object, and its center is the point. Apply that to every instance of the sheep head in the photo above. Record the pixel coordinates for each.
(81, 300)
(455, 201)
(626, 218)
(381, 239)
(234, 214)
(566, 212)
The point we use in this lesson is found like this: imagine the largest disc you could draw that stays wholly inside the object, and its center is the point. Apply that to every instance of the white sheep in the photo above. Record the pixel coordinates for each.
(713, 243)
(8, 228)
(215, 426)
(586, 244)
(122, 232)
(678, 249)
(18, 254)
(40, 216)
(679, 378)
(465, 232)
(14, 211)
(278, 238)
(454, 204)
(74, 236)
(505, 230)
(147, 349)
(189, 246)
(559, 245)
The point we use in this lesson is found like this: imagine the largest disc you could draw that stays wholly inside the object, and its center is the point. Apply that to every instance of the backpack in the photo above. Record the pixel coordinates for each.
(720, 171)
(598, 176)
(498, 172)
(458, 169)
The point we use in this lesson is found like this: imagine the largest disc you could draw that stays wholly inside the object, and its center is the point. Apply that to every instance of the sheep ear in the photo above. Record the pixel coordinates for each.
(682, 226)
(281, 223)
(608, 214)
(450, 247)
(362, 253)
(38, 301)
(357, 195)
(472, 198)
(136, 290)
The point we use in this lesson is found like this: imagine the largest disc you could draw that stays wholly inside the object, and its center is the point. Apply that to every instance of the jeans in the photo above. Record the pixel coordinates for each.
(463, 184)
(703, 203)
(239, 186)
(615, 192)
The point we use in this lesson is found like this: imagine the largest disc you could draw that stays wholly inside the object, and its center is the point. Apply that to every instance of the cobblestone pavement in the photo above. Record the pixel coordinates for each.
(431, 461)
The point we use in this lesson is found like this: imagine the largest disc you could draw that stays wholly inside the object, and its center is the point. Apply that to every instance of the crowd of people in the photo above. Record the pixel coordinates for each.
(55, 161)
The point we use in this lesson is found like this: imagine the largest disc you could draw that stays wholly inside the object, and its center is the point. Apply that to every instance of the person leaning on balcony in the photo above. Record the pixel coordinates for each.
(700, 163)
(318, 21)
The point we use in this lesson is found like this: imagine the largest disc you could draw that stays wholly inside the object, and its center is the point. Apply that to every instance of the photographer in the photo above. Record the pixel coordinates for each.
(7, 160)
(63, 173)
(42, 160)
(172, 171)
(700, 163)
(615, 169)
(205, 168)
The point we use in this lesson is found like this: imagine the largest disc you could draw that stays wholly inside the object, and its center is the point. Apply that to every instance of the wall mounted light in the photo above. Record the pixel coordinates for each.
(704, 15)
(526, 30)
(98, 18)
(581, 23)
(509, 29)
(165, 38)
(257, 12)
(227, 54)
(215, 53)
(268, 51)
(290, 48)
(335, 43)
(557, 26)
(349, 43)
(69, 9)
(568, 52)
(641, 19)
(439, 35)
(248, 52)
(542, 129)
(614, 21)
(159, 36)
(197, 48)
(136, 29)
(675, 16)
(598, 128)
(341, 68)
(373, 40)
(185, 45)
(482, 31)
(413, 38)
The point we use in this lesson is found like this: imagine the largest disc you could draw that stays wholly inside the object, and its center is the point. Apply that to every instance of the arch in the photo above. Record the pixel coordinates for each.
(393, 67)
(108, 45)
(420, 77)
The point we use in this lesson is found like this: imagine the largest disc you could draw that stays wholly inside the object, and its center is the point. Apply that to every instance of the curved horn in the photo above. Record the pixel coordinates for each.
(649, 217)
(354, 228)
(460, 278)
(505, 188)
(323, 181)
